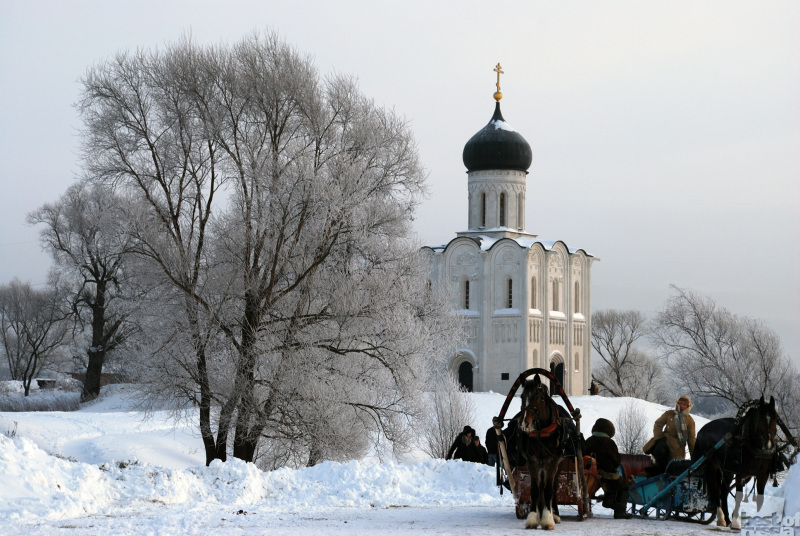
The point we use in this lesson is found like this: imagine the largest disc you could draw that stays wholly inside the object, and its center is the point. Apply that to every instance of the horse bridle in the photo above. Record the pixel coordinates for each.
(747, 429)
(536, 431)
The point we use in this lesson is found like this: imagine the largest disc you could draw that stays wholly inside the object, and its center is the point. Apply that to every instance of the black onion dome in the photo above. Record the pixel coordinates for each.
(497, 146)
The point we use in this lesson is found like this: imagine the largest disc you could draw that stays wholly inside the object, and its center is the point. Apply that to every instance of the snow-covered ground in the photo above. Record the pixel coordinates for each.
(105, 470)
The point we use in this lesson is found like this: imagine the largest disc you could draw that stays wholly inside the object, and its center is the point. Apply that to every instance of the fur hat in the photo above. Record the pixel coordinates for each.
(604, 426)
(684, 398)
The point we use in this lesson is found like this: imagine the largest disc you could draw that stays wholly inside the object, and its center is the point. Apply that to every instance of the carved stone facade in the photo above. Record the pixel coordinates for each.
(514, 321)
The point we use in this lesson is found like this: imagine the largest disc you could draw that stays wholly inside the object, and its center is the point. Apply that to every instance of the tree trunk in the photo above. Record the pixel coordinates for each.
(246, 437)
(213, 452)
(97, 351)
(246, 446)
(91, 384)
(206, 432)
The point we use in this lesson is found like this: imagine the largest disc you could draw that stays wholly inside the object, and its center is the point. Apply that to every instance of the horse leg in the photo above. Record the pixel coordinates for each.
(715, 491)
(735, 523)
(548, 522)
(533, 518)
(761, 482)
(727, 481)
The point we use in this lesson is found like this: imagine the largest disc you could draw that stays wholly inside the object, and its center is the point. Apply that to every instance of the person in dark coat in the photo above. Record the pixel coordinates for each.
(478, 453)
(602, 448)
(491, 446)
(460, 450)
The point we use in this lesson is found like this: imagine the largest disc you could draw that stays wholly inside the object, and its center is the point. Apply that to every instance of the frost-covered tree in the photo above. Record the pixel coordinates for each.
(276, 205)
(717, 353)
(85, 233)
(632, 427)
(448, 410)
(624, 369)
(32, 328)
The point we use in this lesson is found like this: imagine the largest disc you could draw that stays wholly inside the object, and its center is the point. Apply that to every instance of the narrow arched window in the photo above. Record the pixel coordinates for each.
(533, 292)
(555, 295)
(510, 293)
(520, 212)
(466, 294)
(483, 209)
(502, 210)
(577, 297)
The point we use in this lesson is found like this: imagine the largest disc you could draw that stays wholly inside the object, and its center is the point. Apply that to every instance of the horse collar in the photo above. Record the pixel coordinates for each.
(546, 431)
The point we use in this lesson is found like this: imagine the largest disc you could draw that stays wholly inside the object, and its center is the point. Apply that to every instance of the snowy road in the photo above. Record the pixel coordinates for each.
(224, 521)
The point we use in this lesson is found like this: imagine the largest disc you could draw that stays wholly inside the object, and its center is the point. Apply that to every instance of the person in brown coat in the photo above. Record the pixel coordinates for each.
(677, 426)
(604, 450)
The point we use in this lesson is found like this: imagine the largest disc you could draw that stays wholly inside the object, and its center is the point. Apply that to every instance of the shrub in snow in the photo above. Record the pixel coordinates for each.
(12, 387)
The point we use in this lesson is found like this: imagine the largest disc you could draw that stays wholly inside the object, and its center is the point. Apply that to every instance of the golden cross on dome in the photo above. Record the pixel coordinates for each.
(499, 71)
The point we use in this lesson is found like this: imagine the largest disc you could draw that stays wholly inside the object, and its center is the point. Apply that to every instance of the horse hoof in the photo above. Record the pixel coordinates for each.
(556, 518)
(735, 525)
(547, 520)
(721, 518)
(533, 521)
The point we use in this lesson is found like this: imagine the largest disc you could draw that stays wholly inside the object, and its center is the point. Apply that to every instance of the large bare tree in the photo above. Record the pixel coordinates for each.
(85, 233)
(276, 205)
(624, 369)
(143, 133)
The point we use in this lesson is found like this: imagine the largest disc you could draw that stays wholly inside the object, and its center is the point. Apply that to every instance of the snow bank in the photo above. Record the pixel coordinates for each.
(37, 485)
(107, 470)
(791, 492)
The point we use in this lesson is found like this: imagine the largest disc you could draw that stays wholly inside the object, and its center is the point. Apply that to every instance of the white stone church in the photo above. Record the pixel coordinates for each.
(526, 302)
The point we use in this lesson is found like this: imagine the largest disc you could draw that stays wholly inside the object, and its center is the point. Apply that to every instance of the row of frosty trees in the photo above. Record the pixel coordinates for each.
(241, 232)
(691, 346)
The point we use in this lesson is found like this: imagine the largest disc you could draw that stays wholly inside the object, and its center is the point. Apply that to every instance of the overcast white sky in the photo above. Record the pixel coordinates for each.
(665, 135)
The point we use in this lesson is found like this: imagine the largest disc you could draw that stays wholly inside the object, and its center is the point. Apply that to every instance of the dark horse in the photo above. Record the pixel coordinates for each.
(749, 452)
(540, 434)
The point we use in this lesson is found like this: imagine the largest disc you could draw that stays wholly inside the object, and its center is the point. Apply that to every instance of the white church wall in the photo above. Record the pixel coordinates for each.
(502, 340)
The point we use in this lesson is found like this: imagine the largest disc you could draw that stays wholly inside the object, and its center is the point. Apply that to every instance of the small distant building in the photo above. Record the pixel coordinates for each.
(526, 302)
